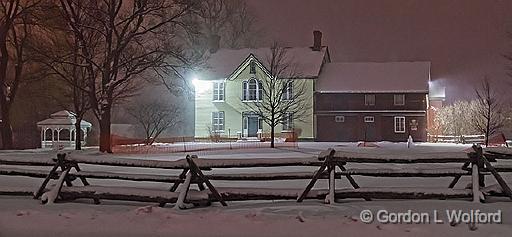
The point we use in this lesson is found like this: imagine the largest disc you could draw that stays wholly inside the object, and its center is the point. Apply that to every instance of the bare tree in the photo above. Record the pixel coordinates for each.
(16, 26)
(154, 117)
(241, 27)
(489, 118)
(456, 119)
(60, 55)
(283, 96)
(230, 22)
(131, 39)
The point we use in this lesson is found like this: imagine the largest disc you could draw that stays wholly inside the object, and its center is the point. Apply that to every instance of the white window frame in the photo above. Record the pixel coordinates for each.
(369, 119)
(339, 119)
(399, 124)
(367, 101)
(219, 91)
(287, 122)
(246, 90)
(218, 121)
(396, 100)
(288, 91)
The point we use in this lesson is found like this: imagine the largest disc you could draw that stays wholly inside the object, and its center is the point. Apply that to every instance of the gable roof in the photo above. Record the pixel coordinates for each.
(63, 118)
(223, 63)
(374, 77)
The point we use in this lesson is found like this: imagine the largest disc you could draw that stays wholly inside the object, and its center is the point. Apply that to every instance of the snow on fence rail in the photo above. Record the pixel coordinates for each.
(464, 139)
(196, 147)
(193, 168)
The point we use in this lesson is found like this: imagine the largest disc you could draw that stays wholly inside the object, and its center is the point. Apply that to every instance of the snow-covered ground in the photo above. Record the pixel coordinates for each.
(24, 216)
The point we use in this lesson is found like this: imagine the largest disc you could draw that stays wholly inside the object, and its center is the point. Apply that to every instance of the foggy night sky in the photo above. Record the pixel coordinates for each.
(464, 39)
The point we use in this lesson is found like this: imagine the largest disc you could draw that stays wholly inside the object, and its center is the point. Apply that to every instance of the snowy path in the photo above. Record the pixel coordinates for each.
(24, 217)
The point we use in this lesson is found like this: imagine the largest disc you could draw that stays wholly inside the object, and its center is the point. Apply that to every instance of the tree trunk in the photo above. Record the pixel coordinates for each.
(105, 134)
(5, 126)
(78, 134)
(272, 135)
(488, 127)
(6, 129)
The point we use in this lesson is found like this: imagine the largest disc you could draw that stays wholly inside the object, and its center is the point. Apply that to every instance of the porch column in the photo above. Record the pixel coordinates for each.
(70, 137)
(43, 133)
(85, 135)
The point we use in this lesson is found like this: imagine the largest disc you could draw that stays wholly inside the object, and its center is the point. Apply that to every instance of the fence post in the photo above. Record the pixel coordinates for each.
(477, 180)
(332, 184)
(229, 138)
(184, 145)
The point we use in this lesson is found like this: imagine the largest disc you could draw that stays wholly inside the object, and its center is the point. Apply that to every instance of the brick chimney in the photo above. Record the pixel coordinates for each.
(317, 40)
(214, 43)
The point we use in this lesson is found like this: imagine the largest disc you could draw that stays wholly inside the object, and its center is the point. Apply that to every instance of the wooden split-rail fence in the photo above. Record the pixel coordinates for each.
(332, 165)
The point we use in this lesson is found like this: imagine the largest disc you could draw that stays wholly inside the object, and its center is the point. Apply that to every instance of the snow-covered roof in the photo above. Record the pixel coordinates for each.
(62, 118)
(374, 77)
(224, 62)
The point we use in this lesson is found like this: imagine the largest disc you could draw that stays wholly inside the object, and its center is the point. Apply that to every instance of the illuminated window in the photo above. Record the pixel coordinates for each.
(400, 124)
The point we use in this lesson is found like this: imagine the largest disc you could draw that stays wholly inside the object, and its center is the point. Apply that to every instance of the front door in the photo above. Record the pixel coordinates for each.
(252, 126)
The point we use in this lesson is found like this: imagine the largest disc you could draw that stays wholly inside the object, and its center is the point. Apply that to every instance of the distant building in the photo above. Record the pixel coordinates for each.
(350, 101)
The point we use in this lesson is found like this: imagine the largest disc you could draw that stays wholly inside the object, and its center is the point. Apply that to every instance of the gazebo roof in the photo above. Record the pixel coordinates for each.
(62, 118)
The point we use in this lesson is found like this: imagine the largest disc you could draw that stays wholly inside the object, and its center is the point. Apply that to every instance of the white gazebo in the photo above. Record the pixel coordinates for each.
(59, 130)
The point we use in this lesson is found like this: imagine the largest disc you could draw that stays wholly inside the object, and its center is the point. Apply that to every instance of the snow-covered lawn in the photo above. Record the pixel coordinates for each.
(24, 216)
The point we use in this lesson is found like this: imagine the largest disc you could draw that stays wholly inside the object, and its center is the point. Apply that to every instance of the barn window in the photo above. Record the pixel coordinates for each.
(399, 99)
(369, 119)
(339, 119)
(400, 124)
(369, 100)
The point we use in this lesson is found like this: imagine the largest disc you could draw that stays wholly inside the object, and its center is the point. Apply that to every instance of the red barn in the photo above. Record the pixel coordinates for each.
(372, 101)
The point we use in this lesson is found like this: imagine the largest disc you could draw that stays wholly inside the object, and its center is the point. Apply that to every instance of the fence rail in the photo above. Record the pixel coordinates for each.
(197, 171)
(197, 146)
(464, 139)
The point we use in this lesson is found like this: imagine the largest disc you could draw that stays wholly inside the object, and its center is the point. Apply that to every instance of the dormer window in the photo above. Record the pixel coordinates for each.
(252, 67)
(252, 90)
